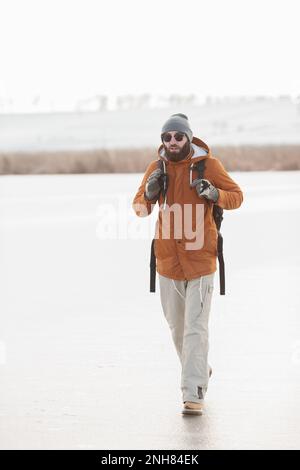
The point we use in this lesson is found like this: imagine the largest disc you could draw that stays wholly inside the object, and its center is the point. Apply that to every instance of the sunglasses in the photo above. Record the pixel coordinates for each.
(178, 137)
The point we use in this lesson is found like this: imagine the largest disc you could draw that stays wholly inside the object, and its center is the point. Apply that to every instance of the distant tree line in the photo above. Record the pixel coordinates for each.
(102, 102)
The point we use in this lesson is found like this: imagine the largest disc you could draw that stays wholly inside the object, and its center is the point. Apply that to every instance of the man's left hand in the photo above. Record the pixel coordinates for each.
(205, 189)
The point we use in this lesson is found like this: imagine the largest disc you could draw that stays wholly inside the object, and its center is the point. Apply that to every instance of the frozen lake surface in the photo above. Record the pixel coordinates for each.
(86, 357)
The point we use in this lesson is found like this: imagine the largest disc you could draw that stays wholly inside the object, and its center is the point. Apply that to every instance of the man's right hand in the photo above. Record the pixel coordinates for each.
(154, 184)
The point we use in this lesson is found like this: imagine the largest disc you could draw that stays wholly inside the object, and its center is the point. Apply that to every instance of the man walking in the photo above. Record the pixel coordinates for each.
(186, 244)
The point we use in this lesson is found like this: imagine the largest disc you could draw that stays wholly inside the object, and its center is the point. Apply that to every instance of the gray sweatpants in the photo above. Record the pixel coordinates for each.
(186, 306)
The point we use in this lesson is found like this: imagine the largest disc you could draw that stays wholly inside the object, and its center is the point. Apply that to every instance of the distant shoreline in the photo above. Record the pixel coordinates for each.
(234, 158)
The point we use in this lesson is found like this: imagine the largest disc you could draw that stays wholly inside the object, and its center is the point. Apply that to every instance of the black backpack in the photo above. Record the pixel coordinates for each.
(218, 217)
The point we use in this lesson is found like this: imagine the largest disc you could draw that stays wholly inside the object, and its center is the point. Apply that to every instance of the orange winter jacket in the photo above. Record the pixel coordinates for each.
(186, 236)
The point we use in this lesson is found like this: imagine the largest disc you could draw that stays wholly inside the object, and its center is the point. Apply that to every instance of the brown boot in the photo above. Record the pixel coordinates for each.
(192, 408)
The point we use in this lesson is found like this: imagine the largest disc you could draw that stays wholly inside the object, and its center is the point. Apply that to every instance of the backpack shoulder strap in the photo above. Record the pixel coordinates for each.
(218, 217)
(152, 267)
(161, 165)
(200, 167)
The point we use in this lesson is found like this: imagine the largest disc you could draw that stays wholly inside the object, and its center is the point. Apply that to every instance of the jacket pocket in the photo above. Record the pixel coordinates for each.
(212, 242)
(163, 249)
(205, 298)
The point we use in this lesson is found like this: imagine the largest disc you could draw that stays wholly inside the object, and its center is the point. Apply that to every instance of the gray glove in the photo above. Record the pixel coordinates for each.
(154, 184)
(205, 189)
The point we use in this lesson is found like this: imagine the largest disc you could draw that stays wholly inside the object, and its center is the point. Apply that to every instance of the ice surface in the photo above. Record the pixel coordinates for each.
(86, 355)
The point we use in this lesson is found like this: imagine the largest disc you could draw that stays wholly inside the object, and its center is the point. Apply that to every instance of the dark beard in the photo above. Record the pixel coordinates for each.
(176, 157)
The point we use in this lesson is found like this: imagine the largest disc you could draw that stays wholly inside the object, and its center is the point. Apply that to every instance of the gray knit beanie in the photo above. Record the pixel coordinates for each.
(178, 122)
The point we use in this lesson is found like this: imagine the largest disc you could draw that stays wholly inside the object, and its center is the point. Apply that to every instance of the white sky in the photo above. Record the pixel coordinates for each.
(66, 49)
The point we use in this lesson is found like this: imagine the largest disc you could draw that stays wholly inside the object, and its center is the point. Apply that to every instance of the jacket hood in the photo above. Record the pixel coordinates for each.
(199, 151)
